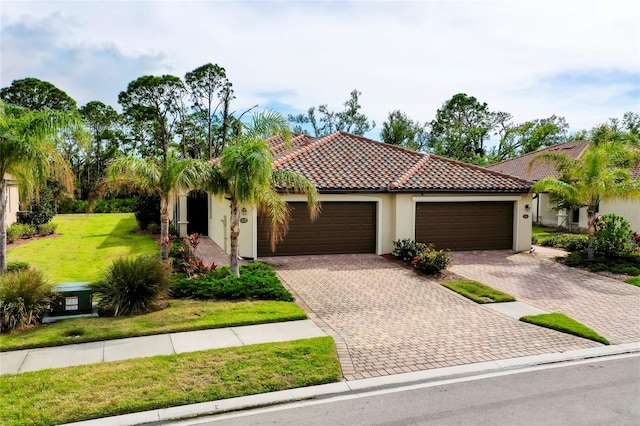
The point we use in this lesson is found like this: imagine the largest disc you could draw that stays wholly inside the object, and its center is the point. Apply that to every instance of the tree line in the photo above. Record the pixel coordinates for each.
(462, 129)
(192, 116)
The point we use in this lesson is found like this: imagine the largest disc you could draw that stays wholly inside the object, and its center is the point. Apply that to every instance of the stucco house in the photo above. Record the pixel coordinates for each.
(543, 213)
(371, 194)
(13, 200)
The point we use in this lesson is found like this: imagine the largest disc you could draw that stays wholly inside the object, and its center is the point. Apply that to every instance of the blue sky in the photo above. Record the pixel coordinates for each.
(577, 59)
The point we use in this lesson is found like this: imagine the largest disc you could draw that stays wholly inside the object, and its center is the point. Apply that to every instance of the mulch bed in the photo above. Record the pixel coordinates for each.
(22, 241)
(443, 276)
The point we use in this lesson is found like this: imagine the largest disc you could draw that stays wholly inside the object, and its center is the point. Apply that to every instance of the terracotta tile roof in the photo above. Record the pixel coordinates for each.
(345, 162)
(519, 166)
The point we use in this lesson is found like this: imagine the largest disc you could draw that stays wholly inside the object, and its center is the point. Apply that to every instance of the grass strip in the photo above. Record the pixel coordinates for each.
(180, 315)
(86, 246)
(478, 292)
(565, 324)
(633, 280)
(72, 394)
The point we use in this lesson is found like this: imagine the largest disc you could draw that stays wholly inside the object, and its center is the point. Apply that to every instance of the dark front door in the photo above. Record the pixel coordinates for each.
(465, 226)
(342, 227)
(197, 213)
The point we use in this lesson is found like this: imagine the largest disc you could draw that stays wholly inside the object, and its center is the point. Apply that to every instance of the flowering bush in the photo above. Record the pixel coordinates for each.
(613, 236)
(430, 260)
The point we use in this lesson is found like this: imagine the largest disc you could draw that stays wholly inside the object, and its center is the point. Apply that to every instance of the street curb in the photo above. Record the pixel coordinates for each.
(184, 412)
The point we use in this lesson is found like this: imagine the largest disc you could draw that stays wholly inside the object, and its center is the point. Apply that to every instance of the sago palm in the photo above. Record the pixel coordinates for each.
(602, 172)
(27, 152)
(156, 177)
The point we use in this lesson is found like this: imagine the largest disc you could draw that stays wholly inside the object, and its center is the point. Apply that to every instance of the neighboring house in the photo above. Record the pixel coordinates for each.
(543, 213)
(373, 193)
(13, 201)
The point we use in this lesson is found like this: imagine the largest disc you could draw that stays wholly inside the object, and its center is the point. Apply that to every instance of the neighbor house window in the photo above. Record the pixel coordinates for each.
(575, 216)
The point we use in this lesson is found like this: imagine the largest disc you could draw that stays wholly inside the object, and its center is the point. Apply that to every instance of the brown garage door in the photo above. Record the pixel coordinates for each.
(341, 228)
(465, 226)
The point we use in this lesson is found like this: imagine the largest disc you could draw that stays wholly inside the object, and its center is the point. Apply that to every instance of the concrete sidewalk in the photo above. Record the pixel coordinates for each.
(163, 344)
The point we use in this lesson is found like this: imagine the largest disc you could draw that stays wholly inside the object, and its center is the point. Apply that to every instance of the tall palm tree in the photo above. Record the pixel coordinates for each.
(154, 176)
(27, 151)
(244, 175)
(602, 172)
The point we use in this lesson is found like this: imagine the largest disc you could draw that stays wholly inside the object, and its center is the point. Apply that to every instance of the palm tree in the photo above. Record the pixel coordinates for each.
(27, 152)
(602, 172)
(244, 175)
(151, 175)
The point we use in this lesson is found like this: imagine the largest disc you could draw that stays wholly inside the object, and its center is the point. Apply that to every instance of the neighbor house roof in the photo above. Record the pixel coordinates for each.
(343, 162)
(519, 166)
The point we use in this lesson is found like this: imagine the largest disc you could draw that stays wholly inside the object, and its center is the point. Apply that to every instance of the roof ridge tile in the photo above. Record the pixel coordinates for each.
(412, 171)
(484, 169)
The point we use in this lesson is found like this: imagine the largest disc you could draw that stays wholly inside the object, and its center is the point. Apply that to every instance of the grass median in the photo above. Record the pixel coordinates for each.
(180, 315)
(72, 394)
(560, 322)
(478, 292)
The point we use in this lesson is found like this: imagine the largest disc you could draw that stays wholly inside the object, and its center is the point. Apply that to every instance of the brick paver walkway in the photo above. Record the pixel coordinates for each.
(610, 307)
(387, 320)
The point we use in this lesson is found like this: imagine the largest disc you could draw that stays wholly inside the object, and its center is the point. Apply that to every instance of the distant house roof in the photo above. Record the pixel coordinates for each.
(519, 166)
(343, 162)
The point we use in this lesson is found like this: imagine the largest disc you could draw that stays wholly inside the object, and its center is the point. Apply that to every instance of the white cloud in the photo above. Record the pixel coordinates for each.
(410, 56)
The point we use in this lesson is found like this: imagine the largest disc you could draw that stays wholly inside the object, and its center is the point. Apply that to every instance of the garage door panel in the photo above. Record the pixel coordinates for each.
(342, 227)
(465, 226)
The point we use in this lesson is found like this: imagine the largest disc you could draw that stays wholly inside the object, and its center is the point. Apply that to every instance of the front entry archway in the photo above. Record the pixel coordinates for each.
(197, 213)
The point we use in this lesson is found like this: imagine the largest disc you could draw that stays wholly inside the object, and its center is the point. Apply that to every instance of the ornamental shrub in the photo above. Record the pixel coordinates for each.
(24, 298)
(571, 242)
(257, 281)
(132, 285)
(17, 266)
(613, 236)
(47, 228)
(407, 249)
(431, 261)
(14, 232)
(41, 212)
(147, 210)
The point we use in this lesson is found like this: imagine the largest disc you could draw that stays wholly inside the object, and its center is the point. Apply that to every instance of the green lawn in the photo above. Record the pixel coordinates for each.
(72, 394)
(180, 315)
(633, 280)
(478, 292)
(542, 231)
(561, 322)
(87, 244)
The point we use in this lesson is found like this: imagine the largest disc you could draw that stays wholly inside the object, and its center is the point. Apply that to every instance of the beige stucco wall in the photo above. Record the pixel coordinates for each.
(13, 204)
(395, 218)
(628, 208)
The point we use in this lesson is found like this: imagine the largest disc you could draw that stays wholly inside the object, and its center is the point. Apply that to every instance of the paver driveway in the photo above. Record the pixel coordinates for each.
(610, 307)
(387, 320)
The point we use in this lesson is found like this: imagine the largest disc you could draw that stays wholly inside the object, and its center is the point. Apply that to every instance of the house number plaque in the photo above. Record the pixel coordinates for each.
(526, 216)
(244, 220)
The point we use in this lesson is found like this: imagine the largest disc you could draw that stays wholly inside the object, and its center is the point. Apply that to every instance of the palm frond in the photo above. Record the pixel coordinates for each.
(272, 206)
(265, 124)
(290, 181)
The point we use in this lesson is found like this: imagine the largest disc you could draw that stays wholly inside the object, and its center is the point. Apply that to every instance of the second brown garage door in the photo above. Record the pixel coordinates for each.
(348, 227)
(465, 226)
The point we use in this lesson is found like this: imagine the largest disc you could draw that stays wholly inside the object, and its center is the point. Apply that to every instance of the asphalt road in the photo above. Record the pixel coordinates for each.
(601, 392)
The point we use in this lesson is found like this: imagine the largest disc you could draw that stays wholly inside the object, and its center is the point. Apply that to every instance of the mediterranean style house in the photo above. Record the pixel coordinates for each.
(371, 194)
(543, 212)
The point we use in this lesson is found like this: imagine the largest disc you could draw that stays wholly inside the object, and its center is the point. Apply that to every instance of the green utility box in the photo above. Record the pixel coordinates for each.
(71, 299)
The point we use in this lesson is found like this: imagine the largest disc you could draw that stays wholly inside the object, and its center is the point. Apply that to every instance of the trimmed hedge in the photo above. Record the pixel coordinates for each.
(257, 281)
